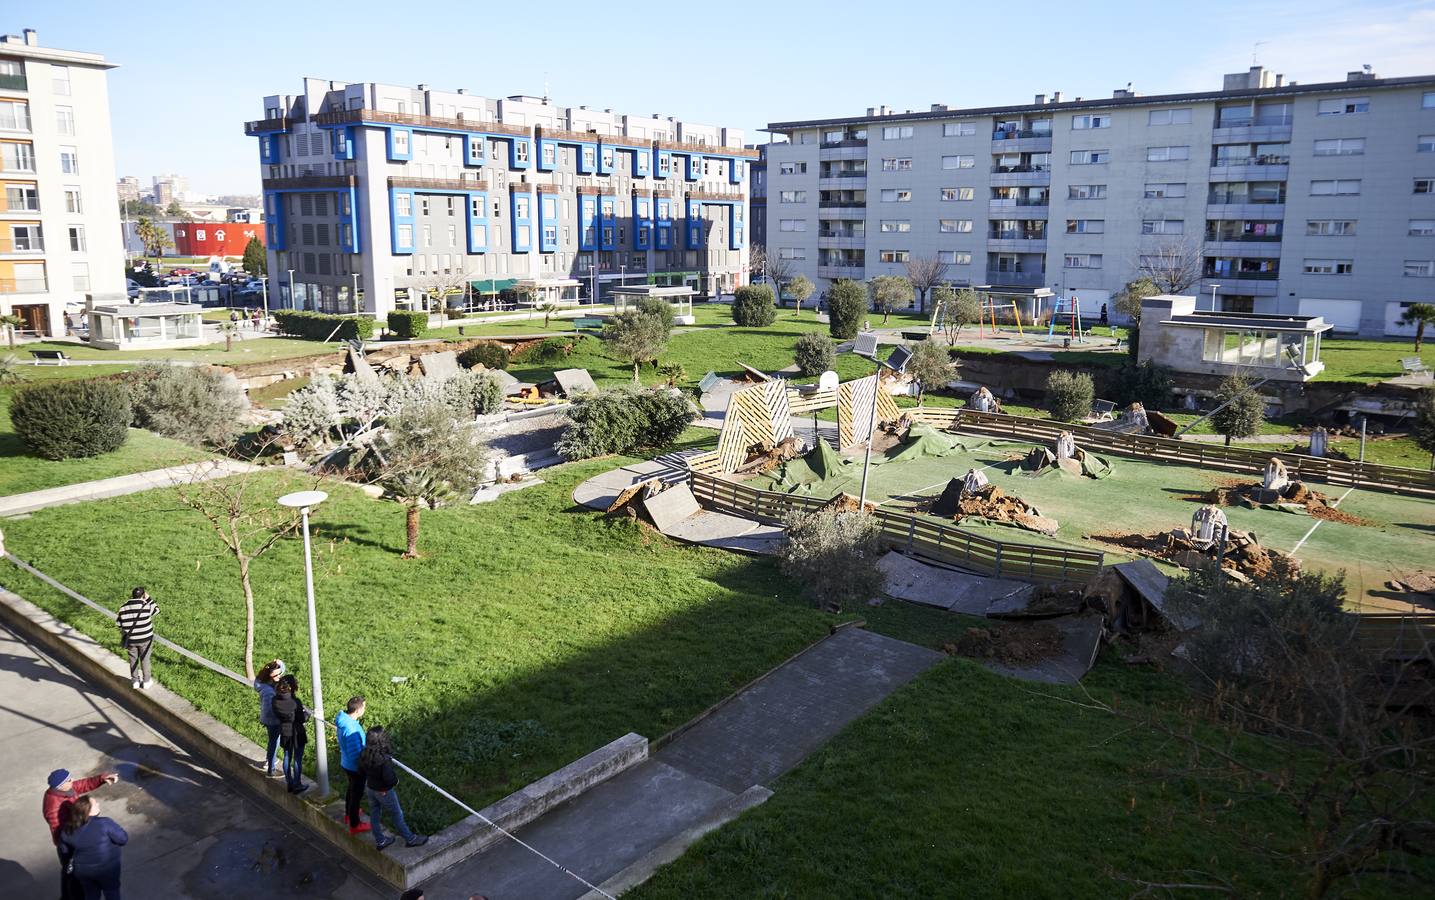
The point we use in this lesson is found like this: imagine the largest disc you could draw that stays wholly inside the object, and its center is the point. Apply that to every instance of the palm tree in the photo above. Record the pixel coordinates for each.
(1419, 315)
(10, 323)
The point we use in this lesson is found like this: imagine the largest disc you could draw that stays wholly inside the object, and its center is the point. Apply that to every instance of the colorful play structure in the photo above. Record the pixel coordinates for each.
(1071, 309)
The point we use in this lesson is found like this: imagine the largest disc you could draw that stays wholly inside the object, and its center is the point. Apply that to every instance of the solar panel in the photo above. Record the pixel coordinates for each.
(865, 344)
(897, 362)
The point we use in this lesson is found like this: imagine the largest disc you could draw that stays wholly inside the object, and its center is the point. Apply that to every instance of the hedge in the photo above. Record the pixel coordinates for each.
(408, 324)
(317, 326)
(489, 354)
(70, 419)
(753, 306)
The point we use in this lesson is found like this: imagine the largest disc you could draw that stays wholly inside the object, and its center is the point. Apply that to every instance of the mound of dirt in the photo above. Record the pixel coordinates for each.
(1296, 493)
(1245, 557)
(848, 503)
(1012, 645)
(994, 504)
(764, 456)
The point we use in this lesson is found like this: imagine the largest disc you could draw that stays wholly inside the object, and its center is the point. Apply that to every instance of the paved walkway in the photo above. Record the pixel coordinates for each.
(615, 833)
(1286, 439)
(191, 834)
(18, 504)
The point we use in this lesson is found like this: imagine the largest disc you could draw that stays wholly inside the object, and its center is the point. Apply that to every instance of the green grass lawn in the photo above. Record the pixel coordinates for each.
(530, 633)
(21, 472)
(1357, 359)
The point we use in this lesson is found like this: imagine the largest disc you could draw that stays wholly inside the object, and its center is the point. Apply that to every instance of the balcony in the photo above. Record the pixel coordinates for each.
(1264, 248)
(1234, 284)
(841, 204)
(1016, 279)
(14, 82)
(843, 213)
(840, 150)
(846, 142)
(1018, 209)
(1251, 168)
(27, 247)
(1016, 176)
(1016, 244)
(843, 181)
(1023, 141)
(268, 126)
(23, 285)
(855, 272)
(1242, 276)
(1237, 129)
(841, 241)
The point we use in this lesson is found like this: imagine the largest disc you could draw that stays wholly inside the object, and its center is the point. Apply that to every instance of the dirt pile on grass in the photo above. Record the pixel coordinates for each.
(1245, 558)
(992, 503)
(848, 503)
(1293, 497)
(1012, 645)
(764, 456)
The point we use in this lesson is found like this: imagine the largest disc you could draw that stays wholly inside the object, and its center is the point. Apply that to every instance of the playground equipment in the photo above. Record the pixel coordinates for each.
(1071, 308)
(987, 307)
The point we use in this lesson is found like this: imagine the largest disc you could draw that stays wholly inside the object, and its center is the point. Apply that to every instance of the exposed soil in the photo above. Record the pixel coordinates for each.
(1252, 495)
(848, 503)
(1245, 557)
(764, 456)
(1013, 645)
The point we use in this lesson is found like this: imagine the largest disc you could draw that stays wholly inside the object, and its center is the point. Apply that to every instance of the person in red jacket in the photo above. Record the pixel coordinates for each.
(61, 793)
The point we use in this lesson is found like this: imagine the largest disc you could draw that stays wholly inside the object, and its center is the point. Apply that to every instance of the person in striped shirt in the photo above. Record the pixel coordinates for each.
(136, 622)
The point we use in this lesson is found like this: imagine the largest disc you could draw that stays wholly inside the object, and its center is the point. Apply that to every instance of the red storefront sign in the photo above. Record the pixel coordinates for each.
(215, 238)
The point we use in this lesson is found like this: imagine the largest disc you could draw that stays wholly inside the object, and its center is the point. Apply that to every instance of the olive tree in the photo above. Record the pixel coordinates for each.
(930, 366)
(1243, 411)
(636, 337)
(832, 554)
(888, 292)
(799, 289)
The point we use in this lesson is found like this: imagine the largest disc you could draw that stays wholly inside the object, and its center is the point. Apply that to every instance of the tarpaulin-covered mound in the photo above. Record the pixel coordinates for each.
(820, 466)
(1041, 461)
(992, 504)
(922, 440)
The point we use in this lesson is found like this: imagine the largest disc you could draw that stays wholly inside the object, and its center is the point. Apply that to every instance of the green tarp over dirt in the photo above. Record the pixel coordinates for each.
(922, 440)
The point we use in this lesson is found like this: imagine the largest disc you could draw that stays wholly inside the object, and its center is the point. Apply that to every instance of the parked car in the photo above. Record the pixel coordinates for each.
(132, 288)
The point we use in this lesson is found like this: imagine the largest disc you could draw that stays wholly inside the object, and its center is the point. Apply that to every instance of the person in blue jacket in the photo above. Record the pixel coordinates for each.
(351, 744)
(91, 842)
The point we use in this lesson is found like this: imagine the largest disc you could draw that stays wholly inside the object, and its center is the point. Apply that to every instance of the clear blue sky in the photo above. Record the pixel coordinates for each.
(191, 73)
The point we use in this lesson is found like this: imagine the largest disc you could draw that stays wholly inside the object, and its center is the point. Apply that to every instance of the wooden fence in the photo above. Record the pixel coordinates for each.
(919, 535)
(1396, 635)
(1391, 479)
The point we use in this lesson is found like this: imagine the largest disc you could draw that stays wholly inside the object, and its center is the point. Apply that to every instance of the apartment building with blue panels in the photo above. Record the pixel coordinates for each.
(380, 197)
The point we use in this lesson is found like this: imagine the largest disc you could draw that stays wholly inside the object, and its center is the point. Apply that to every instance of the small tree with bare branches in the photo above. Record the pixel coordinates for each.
(925, 273)
(1173, 265)
(439, 286)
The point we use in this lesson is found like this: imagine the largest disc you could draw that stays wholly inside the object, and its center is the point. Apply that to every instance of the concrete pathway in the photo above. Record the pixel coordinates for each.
(615, 834)
(18, 504)
(191, 834)
(1286, 439)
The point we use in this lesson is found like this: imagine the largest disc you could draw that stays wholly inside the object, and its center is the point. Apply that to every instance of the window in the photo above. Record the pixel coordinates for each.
(1420, 268)
(896, 164)
(958, 162)
(1329, 267)
(452, 206)
(26, 238)
(520, 151)
(17, 157)
(791, 253)
(1335, 188)
(80, 276)
(65, 119)
(1079, 123)
(890, 195)
(22, 198)
(14, 115)
(403, 205)
(792, 225)
(1427, 100)
(894, 256)
(405, 235)
(1163, 226)
(955, 257)
(77, 238)
(792, 168)
(895, 225)
(424, 206)
(69, 161)
(1330, 227)
(1082, 261)
(792, 197)
(73, 203)
(1340, 147)
(1180, 116)
(1422, 227)
(1343, 107)
(1422, 185)
(60, 80)
(958, 193)
(1159, 191)
(1425, 143)
(1085, 226)
(401, 142)
(549, 154)
(896, 132)
(1086, 192)
(954, 226)
(1167, 154)
(1089, 157)
(520, 207)
(958, 129)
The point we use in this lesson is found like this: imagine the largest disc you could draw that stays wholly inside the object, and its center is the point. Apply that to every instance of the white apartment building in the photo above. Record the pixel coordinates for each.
(373, 193)
(60, 224)
(1312, 199)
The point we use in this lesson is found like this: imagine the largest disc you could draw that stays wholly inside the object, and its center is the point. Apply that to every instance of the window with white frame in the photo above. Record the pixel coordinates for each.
(65, 119)
(895, 225)
(1339, 106)
(894, 256)
(792, 197)
(401, 142)
(1422, 227)
(1335, 187)
(1081, 261)
(1329, 267)
(959, 193)
(1085, 191)
(959, 162)
(1089, 157)
(405, 235)
(954, 226)
(791, 253)
(1164, 190)
(27, 238)
(955, 257)
(1083, 122)
(403, 205)
(1330, 227)
(792, 225)
(1424, 186)
(60, 80)
(1419, 268)
(73, 201)
(1340, 147)
(893, 195)
(69, 161)
(1427, 100)
(896, 163)
(1167, 154)
(1425, 143)
(958, 129)
(1163, 226)
(1085, 226)
(14, 115)
(80, 276)
(792, 168)
(77, 238)
(1181, 116)
(896, 132)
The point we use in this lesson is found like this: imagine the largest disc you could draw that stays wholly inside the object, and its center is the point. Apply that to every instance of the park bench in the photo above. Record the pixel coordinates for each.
(915, 335)
(1414, 365)
(588, 323)
(49, 357)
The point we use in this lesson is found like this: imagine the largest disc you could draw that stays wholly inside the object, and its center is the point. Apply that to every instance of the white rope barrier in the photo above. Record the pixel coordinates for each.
(216, 667)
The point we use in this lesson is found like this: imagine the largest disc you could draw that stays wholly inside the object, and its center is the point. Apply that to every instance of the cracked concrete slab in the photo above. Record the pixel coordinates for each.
(915, 581)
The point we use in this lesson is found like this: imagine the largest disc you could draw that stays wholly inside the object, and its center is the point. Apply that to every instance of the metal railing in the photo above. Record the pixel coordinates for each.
(841, 204)
(1269, 159)
(1236, 120)
(23, 285)
(1022, 133)
(1030, 167)
(1244, 276)
(1242, 238)
(845, 142)
(1000, 235)
(1224, 199)
(14, 82)
(1026, 279)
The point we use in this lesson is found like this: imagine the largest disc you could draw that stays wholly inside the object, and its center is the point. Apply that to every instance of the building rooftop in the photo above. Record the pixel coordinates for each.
(28, 45)
(1250, 321)
(1122, 98)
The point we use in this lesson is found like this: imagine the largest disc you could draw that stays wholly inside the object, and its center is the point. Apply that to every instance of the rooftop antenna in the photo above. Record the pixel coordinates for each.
(545, 88)
(1366, 67)
(1255, 48)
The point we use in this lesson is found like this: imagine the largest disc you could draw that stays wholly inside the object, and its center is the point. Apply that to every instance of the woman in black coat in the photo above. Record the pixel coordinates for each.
(292, 716)
(376, 761)
(91, 844)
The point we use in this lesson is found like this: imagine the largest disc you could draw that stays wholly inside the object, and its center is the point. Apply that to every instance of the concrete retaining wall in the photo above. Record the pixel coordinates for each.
(233, 756)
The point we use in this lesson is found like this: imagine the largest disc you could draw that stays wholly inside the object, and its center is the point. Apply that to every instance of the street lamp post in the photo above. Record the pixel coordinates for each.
(354, 298)
(1213, 297)
(291, 290)
(304, 501)
(866, 345)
